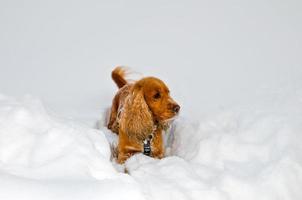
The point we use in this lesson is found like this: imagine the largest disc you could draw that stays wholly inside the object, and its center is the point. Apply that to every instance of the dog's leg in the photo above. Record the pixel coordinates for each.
(127, 148)
(122, 157)
(158, 145)
(112, 119)
(113, 116)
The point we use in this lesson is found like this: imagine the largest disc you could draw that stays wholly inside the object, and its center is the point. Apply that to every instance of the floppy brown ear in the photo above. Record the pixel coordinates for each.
(136, 119)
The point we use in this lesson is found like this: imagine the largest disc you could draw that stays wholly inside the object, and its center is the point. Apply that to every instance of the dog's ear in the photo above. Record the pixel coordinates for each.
(136, 119)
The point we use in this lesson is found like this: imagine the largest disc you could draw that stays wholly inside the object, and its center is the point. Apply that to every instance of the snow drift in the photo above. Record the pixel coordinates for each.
(248, 152)
(45, 157)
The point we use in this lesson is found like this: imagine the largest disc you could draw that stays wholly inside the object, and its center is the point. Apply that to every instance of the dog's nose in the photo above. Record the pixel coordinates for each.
(176, 108)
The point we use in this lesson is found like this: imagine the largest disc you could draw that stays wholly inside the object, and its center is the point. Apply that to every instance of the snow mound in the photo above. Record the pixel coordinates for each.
(247, 152)
(35, 145)
(45, 157)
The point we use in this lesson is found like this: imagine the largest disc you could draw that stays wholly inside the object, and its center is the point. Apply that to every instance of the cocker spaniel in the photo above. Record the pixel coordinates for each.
(140, 112)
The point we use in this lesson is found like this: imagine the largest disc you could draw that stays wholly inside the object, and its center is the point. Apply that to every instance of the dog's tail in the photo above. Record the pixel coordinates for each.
(118, 76)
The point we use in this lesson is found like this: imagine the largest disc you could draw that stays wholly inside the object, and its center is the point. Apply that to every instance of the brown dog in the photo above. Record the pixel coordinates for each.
(140, 112)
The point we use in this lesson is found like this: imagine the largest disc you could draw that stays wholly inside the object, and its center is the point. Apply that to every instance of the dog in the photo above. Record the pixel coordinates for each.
(140, 112)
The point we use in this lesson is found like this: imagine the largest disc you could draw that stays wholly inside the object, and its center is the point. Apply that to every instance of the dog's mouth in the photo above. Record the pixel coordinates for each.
(166, 117)
(170, 118)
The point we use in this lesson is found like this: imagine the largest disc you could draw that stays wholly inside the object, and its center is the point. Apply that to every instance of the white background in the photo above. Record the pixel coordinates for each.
(210, 53)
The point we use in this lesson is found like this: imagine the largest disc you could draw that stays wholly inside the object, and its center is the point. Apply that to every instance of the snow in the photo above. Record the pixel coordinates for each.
(233, 66)
(45, 157)
(247, 152)
(34, 145)
(244, 152)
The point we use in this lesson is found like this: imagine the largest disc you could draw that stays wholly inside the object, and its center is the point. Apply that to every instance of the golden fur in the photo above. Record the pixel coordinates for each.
(138, 110)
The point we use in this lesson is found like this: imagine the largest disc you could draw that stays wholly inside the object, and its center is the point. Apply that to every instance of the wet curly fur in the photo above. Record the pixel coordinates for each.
(139, 109)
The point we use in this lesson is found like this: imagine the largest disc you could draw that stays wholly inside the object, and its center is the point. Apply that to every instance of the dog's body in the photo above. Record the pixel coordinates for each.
(140, 112)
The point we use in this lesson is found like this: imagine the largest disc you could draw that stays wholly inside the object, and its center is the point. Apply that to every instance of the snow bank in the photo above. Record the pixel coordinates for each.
(248, 152)
(35, 145)
(44, 157)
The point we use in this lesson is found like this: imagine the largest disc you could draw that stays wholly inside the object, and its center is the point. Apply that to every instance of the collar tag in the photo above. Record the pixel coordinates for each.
(147, 147)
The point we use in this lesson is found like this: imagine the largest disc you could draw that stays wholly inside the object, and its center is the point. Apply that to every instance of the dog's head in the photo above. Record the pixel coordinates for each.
(157, 96)
(149, 103)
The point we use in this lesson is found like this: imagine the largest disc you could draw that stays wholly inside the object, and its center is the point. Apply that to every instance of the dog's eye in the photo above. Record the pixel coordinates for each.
(156, 96)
